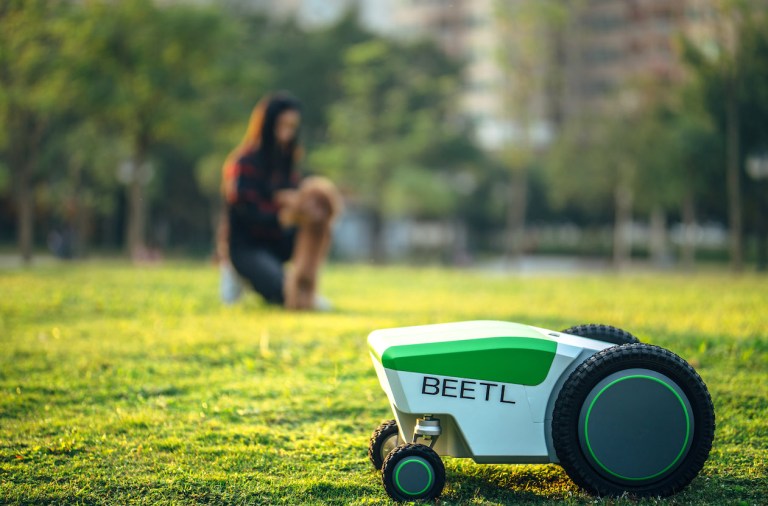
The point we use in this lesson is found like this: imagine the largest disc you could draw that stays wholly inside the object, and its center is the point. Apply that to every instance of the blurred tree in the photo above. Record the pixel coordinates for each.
(83, 184)
(525, 56)
(388, 134)
(29, 99)
(594, 164)
(681, 162)
(309, 63)
(142, 67)
(733, 76)
(97, 91)
(271, 55)
(669, 157)
(654, 168)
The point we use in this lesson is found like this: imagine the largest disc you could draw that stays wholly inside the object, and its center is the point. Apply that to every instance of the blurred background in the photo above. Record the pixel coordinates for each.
(496, 133)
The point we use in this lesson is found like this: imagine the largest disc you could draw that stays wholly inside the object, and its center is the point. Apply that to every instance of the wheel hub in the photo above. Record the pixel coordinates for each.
(414, 476)
(635, 426)
(388, 445)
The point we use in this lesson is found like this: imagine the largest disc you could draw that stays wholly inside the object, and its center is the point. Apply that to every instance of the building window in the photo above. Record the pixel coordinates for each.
(602, 54)
(595, 88)
(604, 22)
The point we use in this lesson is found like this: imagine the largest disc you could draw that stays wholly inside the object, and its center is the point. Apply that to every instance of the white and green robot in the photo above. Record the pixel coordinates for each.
(619, 416)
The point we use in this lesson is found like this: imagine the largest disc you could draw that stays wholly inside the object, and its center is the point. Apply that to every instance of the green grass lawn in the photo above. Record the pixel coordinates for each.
(134, 385)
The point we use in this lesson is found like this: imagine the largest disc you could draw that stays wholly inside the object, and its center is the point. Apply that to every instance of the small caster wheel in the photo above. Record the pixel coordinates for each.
(383, 440)
(413, 472)
(600, 332)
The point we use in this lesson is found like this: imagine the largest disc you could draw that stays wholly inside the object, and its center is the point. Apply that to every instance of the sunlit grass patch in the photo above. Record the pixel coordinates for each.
(120, 384)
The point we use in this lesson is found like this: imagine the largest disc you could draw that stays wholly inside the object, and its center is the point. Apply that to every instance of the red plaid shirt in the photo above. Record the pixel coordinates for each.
(250, 190)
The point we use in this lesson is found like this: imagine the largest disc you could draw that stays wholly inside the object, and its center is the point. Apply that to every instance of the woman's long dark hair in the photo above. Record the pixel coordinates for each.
(273, 157)
(260, 137)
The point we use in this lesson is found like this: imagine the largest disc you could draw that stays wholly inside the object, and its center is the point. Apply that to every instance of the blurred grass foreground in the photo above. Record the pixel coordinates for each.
(120, 385)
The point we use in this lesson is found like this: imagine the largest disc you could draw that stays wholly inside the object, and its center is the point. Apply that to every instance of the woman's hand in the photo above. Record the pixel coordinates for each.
(287, 202)
(302, 207)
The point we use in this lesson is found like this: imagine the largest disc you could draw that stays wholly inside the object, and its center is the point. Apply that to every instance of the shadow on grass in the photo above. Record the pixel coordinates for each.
(549, 484)
(267, 492)
(507, 484)
(728, 490)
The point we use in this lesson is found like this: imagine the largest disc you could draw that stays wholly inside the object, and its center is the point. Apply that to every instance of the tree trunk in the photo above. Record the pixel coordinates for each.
(688, 212)
(378, 252)
(762, 244)
(516, 210)
(733, 179)
(76, 212)
(135, 239)
(136, 219)
(26, 133)
(622, 247)
(25, 218)
(658, 237)
(83, 221)
(762, 234)
(220, 227)
(460, 251)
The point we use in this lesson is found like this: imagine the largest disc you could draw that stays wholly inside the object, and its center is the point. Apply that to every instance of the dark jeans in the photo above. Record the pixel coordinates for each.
(262, 266)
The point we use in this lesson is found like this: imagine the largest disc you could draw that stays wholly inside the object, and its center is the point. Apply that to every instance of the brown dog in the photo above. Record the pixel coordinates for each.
(313, 208)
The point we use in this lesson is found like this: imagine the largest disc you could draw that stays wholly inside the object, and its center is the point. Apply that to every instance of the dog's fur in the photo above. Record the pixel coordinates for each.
(315, 205)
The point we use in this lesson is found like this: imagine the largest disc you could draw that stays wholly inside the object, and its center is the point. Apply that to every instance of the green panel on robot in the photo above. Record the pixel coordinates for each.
(517, 360)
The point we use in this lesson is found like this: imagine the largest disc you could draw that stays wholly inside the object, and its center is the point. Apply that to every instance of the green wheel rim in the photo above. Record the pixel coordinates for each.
(421, 462)
(682, 448)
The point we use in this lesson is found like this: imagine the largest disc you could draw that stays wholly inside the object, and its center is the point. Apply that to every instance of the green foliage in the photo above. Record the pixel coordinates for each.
(684, 153)
(266, 56)
(740, 65)
(309, 63)
(142, 65)
(125, 385)
(143, 71)
(31, 86)
(526, 48)
(669, 144)
(174, 84)
(5, 178)
(28, 57)
(660, 150)
(574, 159)
(388, 134)
(85, 85)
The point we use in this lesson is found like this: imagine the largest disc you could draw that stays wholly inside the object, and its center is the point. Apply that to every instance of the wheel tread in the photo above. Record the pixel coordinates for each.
(598, 366)
(384, 429)
(418, 450)
(602, 332)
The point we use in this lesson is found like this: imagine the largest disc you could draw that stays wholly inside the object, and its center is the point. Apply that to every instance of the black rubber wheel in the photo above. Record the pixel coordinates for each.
(601, 332)
(383, 440)
(413, 472)
(634, 418)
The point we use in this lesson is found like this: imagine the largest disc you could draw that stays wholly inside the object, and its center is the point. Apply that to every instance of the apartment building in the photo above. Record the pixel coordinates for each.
(523, 79)
(506, 106)
(607, 44)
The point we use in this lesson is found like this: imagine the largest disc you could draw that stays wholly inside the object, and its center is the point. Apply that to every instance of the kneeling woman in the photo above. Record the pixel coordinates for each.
(273, 215)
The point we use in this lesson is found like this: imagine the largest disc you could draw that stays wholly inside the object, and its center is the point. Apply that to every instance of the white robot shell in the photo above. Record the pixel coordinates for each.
(500, 392)
(492, 384)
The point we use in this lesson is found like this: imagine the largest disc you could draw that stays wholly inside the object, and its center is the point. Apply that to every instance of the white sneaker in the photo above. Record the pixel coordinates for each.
(322, 304)
(230, 286)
